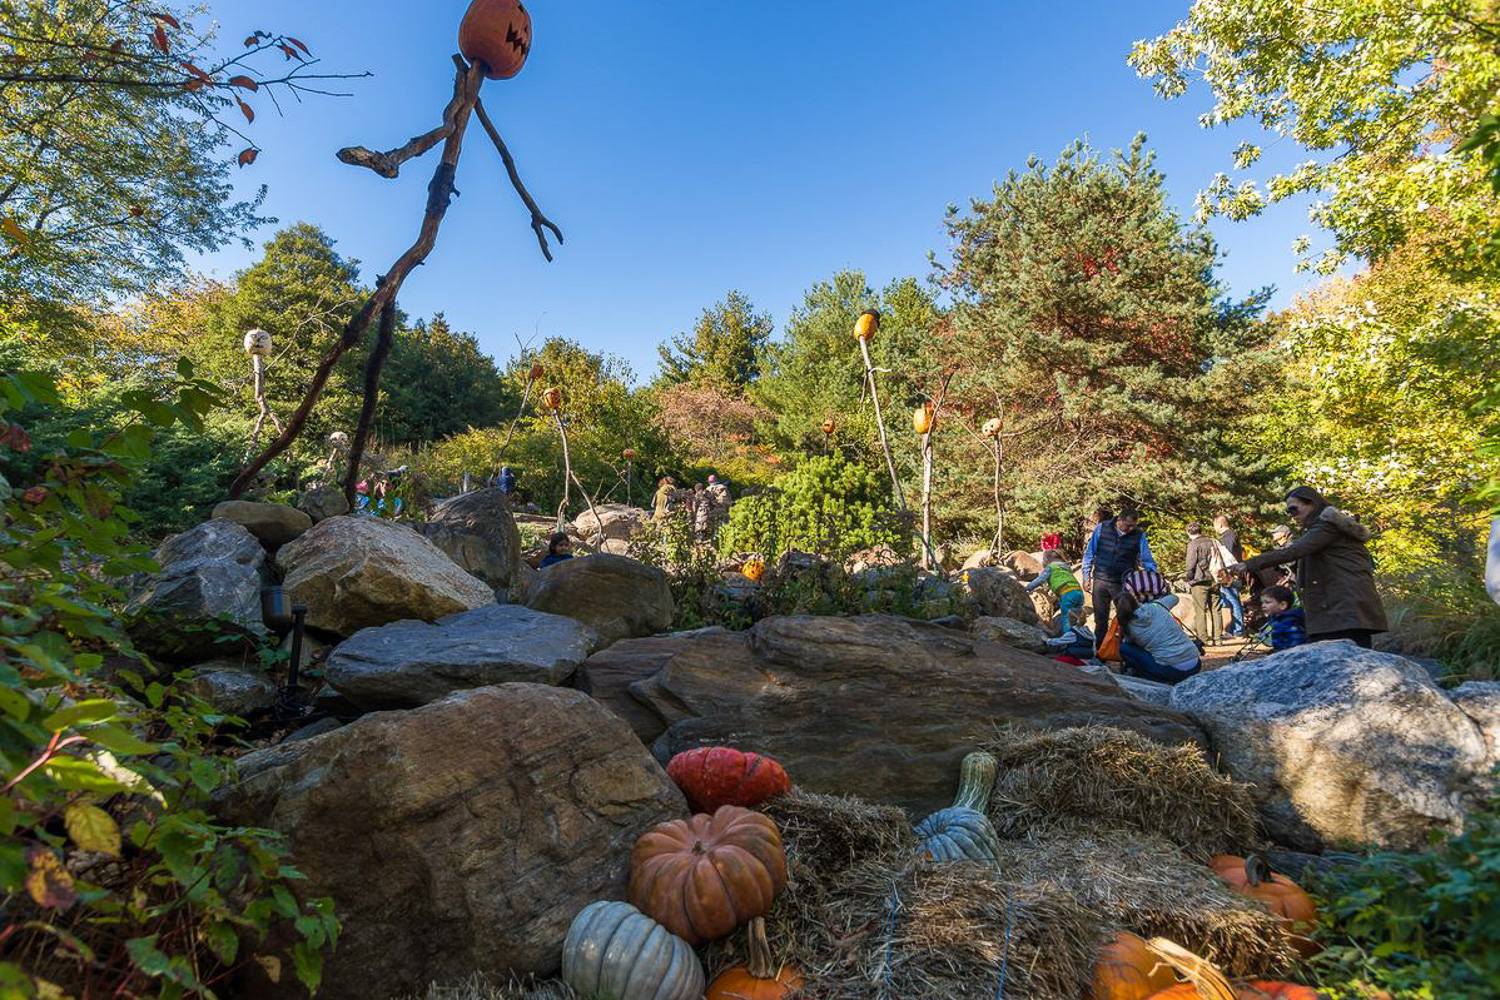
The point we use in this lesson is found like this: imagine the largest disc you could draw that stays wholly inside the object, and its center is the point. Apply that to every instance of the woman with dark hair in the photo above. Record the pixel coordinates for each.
(1335, 574)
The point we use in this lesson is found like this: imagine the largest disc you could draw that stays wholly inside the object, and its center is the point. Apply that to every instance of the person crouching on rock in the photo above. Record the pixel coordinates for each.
(559, 549)
(1154, 646)
(1335, 574)
(1058, 576)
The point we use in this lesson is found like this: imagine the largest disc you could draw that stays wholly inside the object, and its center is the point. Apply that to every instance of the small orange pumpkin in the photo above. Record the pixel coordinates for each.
(629, 454)
(552, 399)
(1126, 970)
(759, 978)
(1252, 877)
(868, 324)
(701, 878)
(829, 426)
(922, 418)
(754, 570)
(496, 33)
(537, 371)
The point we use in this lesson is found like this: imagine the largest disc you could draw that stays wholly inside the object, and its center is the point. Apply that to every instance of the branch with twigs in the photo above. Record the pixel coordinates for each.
(538, 218)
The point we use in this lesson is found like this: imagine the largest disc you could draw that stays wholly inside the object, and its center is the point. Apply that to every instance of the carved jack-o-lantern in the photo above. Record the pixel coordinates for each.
(992, 427)
(498, 34)
(258, 343)
(867, 325)
(829, 426)
(537, 371)
(552, 399)
(338, 441)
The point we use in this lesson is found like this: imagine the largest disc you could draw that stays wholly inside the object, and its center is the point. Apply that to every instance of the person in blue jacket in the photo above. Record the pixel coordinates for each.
(1116, 549)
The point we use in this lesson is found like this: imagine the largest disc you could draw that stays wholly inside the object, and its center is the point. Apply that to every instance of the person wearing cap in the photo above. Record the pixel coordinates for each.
(1154, 645)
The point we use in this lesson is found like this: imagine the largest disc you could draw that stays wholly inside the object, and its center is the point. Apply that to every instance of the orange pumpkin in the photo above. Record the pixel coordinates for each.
(759, 978)
(868, 324)
(921, 418)
(496, 33)
(754, 570)
(1252, 877)
(629, 454)
(701, 878)
(552, 399)
(829, 426)
(1126, 970)
(537, 371)
(1256, 989)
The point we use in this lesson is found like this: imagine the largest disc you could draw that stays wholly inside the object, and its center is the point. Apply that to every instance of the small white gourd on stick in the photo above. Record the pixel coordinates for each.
(258, 345)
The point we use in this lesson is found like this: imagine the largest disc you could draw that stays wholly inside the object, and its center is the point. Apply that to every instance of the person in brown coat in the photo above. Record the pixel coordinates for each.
(1335, 574)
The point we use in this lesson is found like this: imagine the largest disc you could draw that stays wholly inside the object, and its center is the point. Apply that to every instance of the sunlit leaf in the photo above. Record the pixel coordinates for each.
(48, 882)
(92, 828)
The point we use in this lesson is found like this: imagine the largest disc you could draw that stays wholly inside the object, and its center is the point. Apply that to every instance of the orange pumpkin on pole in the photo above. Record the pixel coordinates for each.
(921, 419)
(496, 33)
(760, 978)
(868, 325)
(552, 399)
(829, 426)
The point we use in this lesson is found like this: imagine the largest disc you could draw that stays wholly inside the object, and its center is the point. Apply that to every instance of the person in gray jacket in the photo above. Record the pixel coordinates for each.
(1335, 573)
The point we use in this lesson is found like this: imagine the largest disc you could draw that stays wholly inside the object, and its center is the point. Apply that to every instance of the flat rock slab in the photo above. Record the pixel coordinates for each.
(1345, 746)
(875, 706)
(459, 837)
(360, 572)
(411, 663)
(274, 524)
(234, 689)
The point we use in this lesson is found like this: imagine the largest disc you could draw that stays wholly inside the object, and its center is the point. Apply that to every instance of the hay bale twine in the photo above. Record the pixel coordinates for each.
(1092, 778)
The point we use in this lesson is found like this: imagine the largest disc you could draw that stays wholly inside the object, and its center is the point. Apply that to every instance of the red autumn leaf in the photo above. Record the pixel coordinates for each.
(299, 45)
(248, 156)
(252, 41)
(196, 71)
(192, 86)
(35, 495)
(169, 19)
(288, 51)
(245, 82)
(248, 111)
(159, 38)
(16, 438)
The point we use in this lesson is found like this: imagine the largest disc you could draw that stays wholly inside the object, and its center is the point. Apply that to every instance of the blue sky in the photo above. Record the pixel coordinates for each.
(687, 148)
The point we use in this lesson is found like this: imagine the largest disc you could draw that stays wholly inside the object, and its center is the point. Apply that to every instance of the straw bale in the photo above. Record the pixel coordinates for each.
(480, 987)
(1147, 886)
(1093, 778)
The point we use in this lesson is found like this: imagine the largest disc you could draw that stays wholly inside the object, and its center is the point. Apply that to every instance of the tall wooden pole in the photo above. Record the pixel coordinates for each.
(885, 445)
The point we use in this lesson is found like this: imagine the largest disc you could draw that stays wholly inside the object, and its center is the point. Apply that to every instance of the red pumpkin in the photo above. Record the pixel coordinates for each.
(1126, 970)
(1256, 989)
(711, 777)
(701, 878)
(1252, 878)
(496, 33)
(629, 454)
(759, 978)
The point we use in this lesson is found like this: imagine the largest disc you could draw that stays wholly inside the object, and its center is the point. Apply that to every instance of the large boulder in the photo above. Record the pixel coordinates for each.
(615, 522)
(479, 533)
(608, 675)
(461, 837)
(874, 706)
(1011, 632)
(234, 689)
(1480, 701)
(1343, 745)
(619, 598)
(323, 501)
(997, 593)
(360, 572)
(207, 591)
(411, 663)
(274, 524)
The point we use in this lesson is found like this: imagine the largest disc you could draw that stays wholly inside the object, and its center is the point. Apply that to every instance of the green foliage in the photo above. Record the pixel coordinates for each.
(827, 504)
(1089, 319)
(1422, 927)
(1442, 610)
(1382, 92)
(119, 880)
(724, 348)
(438, 382)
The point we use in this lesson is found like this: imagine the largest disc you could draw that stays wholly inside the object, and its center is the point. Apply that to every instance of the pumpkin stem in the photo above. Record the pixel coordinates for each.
(759, 961)
(976, 780)
(698, 847)
(1257, 869)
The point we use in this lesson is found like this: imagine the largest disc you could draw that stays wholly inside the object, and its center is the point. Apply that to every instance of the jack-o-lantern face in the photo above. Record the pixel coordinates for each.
(829, 426)
(552, 399)
(498, 34)
(993, 427)
(258, 343)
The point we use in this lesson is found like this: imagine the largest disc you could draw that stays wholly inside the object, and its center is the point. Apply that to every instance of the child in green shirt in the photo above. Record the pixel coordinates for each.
(1058, 575)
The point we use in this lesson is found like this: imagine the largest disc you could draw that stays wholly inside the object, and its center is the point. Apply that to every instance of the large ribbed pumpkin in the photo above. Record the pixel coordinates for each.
(496, 33)
(760, 978)
(711, 777)
(1253, 878)
(1126, 970)
(614, 950)
(701, 878)
(958, 834)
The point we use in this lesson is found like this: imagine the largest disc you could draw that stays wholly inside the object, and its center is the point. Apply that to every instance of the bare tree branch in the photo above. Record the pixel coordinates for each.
(538, 219)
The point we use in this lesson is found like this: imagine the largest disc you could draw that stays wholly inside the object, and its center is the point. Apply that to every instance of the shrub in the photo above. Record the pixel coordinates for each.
(119, 881)
(1421, 926)
(827, 505)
